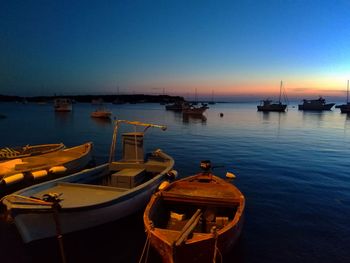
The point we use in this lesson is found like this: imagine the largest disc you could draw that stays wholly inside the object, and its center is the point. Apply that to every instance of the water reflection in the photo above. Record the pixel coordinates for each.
(194, 119)
(63, 117)
(313, 116)
(268, 115)
(347, 116)
(102, 122)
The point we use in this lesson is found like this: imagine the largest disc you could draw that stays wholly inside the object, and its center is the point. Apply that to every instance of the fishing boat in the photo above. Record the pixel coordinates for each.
(63, 105)
(195, 219)
(193, 110)
(9, 153)
(315, 105)
(101, 113)
(268, 105)
(94, 196)
(345, 108)
(21, 172)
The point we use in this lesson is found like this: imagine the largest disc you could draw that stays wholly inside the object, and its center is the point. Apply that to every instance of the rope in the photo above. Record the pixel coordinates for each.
(216, 249)
(145, 249)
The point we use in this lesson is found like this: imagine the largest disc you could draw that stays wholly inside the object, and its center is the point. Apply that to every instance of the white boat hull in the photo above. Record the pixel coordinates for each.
(34, 226)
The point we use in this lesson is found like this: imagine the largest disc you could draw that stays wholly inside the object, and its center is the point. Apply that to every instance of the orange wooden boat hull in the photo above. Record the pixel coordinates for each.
(201, 247)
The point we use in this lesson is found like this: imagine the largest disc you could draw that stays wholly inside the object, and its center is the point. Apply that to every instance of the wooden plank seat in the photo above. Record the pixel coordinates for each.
(201, 200)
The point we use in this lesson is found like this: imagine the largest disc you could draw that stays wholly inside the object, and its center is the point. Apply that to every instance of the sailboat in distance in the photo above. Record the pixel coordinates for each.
(345, 108)
(212, 98)
(269, 105)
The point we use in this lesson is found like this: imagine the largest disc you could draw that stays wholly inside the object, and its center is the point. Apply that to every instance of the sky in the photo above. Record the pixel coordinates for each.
(231, 49)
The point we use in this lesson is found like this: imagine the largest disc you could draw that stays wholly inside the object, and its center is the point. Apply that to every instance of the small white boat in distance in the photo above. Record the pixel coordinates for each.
(63, 105)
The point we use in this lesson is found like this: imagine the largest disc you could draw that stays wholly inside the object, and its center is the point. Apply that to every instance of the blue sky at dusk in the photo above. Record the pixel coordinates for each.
(231, 48)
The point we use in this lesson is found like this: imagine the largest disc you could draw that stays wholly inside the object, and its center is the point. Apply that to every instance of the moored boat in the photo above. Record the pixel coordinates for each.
(345, 108)
(315, 105)
(94, 196)
(101, 113)
(268, 105)
(63, 105)
(9, 153)
(195, 219)
(193, 110)
(21, 172)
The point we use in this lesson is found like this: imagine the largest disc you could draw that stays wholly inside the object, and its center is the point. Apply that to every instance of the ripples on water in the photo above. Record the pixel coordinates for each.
(293, 168)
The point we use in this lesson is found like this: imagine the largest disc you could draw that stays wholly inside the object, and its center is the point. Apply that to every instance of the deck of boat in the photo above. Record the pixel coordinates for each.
(80, 195)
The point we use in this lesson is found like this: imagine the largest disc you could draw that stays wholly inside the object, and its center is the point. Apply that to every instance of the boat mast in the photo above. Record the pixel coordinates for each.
(279, 100)
(347, 94)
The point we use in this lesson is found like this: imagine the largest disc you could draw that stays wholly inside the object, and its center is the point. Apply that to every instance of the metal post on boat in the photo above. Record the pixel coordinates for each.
(55, 200)
(136, 123)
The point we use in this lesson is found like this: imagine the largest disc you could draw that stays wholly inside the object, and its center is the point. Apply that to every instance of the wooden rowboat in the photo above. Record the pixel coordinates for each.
(195, 219)
(21, 172)
(10, 153)
(94, 196)
(101, 113)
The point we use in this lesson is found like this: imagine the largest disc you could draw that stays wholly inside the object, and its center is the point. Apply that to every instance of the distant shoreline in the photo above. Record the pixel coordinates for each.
(136, 98)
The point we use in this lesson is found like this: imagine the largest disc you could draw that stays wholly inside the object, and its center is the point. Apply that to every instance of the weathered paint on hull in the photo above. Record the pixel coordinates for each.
(201, 251)
(34, 226)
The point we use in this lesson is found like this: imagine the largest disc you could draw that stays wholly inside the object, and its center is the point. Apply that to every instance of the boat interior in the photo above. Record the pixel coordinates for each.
(111, 180)
(176, 216)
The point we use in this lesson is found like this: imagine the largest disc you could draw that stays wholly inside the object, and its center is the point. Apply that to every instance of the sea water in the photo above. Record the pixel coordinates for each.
(292, 167)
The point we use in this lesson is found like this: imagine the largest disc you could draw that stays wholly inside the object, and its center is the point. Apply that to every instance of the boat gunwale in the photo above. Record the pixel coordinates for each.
(104, 168)
(54, 147)
(157, 232)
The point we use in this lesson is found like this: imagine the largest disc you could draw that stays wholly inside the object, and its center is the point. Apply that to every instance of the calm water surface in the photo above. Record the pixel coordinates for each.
(292, 167)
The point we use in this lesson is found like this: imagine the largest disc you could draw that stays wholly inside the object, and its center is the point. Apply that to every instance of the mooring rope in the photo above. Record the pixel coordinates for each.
(145, 249)
(216, 249)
